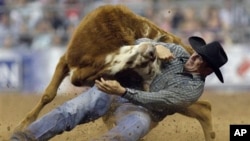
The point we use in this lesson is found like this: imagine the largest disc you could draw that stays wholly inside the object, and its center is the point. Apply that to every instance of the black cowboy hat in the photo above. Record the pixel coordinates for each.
(213, 53)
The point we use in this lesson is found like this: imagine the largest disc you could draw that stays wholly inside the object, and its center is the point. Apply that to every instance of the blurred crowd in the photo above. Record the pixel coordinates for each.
(39, 24)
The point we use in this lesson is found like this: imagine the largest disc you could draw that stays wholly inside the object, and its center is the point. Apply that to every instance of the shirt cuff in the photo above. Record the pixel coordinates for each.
(129, 94)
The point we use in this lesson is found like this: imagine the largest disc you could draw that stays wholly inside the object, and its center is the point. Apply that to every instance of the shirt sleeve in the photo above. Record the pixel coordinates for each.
(174, 96)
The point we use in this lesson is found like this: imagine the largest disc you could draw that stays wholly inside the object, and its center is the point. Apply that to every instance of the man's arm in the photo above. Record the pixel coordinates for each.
(171, 97)
(178, 95)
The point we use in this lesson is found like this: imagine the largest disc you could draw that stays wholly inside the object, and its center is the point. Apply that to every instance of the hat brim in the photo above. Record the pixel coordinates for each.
(215, 69)
(197, 43)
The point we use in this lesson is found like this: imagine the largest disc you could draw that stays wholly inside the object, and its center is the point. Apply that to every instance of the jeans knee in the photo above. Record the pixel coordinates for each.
(102, 105)
(22, 136)
(142, 118)
(136, 122)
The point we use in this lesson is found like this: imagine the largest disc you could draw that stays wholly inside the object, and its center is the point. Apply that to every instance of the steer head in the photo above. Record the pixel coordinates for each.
(140, 59)
(147, 63)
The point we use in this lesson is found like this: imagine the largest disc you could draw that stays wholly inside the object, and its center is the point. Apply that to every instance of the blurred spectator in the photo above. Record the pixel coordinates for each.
(236, 19)
(43, 35)
(46, 23)
(25, 37)
(8, 42)
(57, 41)
(73, 10)
(2, 4)
(226, 14)
(240, 14)
(178, 17)
(27, 12)
(212, 27)
(8, 29)
(163, 19)
(69, 32)
(54, 18)
(212, 19)
(191, 24)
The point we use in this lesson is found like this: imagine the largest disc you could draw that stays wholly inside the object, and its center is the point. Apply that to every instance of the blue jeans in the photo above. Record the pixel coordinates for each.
(132, 122)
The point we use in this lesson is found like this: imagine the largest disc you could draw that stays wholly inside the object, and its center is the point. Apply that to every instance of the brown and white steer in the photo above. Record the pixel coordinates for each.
(103, 45)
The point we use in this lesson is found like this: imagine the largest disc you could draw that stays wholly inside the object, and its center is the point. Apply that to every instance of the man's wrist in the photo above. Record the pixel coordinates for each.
(124, 93)
(129, 92)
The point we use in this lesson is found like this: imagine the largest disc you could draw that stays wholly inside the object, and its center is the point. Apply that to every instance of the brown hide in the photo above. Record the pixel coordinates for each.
(105, 30)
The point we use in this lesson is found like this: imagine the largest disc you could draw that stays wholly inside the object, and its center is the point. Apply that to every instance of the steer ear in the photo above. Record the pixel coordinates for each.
(163, 38)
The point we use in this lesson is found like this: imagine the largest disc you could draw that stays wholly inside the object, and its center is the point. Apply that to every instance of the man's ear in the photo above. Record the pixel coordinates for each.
(206, 69)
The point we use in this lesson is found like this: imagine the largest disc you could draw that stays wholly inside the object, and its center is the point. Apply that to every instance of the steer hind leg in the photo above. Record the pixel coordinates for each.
(201, 110)
(60, 73)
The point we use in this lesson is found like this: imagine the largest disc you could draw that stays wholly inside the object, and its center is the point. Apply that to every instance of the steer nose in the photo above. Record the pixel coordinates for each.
(147, 50)
(151, 52)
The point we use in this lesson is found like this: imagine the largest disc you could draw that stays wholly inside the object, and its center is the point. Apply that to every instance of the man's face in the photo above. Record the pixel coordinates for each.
(196, 64)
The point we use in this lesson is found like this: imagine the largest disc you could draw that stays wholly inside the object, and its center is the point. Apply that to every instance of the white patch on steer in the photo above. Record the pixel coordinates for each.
(147, 30)
(137, 57)
(72, 70)
(133, 55)
(117, 62)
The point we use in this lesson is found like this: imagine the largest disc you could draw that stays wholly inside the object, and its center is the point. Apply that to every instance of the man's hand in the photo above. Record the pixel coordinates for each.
(163, 53)
(110, 87)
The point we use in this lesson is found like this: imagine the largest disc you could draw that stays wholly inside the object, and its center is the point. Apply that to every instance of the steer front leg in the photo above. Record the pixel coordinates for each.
(201, 110)
(60, 73)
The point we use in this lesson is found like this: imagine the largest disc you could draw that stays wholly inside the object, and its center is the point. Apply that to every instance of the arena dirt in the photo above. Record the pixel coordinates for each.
(228, 108)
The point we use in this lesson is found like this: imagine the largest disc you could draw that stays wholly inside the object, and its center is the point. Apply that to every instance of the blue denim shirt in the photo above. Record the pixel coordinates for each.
(172, 89)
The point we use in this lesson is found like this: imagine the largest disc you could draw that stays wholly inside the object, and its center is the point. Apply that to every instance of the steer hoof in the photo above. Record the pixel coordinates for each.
(212, 135)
